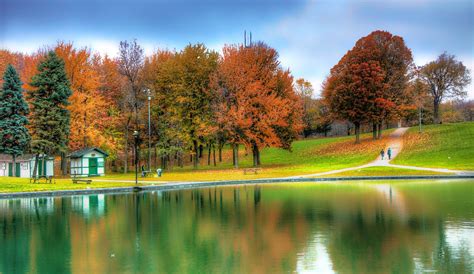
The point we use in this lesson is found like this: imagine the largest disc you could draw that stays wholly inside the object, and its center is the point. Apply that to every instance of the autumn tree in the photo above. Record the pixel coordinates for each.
(259, 107)
(130, 63)
(50, 118)
(14, 136)
(446, 78)
(161, 74)
(396, 61)
(112, 89)
(192, 106)
(351, 92)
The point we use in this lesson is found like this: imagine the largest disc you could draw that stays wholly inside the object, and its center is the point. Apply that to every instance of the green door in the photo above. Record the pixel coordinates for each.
(92, 166)
(10, 169)
(40, 167)
(17, 170)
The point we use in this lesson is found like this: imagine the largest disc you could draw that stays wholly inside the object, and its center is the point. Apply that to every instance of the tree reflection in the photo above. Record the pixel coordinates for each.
(248, 229)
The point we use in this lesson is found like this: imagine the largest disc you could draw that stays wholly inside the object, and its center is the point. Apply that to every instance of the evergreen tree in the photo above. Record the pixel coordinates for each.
(14, 136)
(49, 115)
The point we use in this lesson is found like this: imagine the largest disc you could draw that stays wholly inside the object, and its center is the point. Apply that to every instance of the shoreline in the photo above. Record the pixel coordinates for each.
(194, 185)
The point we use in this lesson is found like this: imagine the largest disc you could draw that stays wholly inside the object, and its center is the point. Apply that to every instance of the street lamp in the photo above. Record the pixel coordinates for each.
(148, 92)
(136, 137)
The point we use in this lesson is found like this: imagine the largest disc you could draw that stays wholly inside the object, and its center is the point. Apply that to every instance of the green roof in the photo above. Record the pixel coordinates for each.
(84, 151)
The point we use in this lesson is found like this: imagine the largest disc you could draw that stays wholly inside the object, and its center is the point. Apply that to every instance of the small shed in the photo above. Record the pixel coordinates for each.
(88, 162)
(25, 165)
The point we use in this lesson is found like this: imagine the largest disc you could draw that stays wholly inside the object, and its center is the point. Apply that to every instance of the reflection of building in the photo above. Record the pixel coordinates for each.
(89, 204)
(88, 162)
(25, 165)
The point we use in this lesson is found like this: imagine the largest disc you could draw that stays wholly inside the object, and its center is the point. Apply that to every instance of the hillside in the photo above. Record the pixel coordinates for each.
(442, 146)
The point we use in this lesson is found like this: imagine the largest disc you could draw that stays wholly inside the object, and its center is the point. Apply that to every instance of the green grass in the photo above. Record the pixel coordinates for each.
(307, 156)
(9, 184)
(439, 146)
(384, 171)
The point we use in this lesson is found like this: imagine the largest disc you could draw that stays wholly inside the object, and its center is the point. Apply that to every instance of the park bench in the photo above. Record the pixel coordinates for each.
(76, 180)
(147, 173)
(252, 170)
(42, 179)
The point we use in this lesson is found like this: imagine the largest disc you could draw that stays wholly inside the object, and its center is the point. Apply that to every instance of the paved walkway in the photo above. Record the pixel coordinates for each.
(396, 144)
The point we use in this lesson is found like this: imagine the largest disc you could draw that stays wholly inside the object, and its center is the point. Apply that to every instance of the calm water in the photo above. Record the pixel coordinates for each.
(333, 227)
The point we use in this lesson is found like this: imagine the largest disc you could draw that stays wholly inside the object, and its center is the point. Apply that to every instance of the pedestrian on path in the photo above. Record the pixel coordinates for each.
(389, 153)
(382, 153)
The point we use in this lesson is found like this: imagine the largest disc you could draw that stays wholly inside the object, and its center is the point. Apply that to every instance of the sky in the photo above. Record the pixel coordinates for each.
(310, 36)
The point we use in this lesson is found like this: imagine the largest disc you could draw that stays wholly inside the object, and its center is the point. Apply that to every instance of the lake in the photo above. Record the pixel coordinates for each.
(356, 227)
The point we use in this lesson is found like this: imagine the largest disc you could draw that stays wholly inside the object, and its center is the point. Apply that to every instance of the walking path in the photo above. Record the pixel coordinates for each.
(396, 144)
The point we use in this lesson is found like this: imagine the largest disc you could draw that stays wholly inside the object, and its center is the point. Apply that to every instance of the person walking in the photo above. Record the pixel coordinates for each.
(382, 153)
(389, 153)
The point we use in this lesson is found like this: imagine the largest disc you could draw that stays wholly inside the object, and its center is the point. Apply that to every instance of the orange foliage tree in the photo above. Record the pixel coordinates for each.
(258, 106)
(387, 56)
(88, 106)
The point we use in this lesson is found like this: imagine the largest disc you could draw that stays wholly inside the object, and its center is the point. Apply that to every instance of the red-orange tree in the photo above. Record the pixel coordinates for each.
(352, 92)
(394, 60)
(258, 106)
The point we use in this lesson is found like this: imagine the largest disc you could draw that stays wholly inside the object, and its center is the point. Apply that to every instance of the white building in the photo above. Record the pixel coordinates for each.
(88, 162)
(25, 165)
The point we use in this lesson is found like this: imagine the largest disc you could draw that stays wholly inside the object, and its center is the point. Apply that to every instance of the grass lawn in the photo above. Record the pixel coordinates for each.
(383, 171)
(8, 184)
(439, 146)
(307, 156)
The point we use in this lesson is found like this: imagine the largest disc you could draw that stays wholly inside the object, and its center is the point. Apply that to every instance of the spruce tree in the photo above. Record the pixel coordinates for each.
(14, 136)
(50, 118)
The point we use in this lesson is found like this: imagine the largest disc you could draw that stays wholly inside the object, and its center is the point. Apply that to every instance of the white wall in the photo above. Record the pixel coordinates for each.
(3, 169)
(84, 163)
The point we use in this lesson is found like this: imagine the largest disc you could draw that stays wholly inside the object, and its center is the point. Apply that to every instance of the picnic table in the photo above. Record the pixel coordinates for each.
(147, 173)
(42, 178)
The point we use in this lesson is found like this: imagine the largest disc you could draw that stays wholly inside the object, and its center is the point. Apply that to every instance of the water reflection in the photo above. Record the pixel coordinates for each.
(326, 228)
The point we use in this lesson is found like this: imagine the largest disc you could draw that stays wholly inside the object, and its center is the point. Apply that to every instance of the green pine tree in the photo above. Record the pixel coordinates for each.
(14, 136)
(50, 119)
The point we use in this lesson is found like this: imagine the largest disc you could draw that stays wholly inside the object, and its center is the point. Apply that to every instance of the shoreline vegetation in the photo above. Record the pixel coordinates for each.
(308, 156)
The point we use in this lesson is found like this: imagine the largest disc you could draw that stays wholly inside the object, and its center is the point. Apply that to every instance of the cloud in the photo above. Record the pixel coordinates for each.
(313, 39)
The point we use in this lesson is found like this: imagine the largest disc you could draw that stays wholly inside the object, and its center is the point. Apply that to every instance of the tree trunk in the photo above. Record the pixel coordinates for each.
(256, 155)
(35, 168)
(125, 162)
(63, 164)
(436, 118)
(209, 155)
(419, 120)
(235, 156)
(220, 152)
(379, 135)
(374, 130)
(214, 154)
(14, 165)
(357, 132)
(201, 150)
(196, 154)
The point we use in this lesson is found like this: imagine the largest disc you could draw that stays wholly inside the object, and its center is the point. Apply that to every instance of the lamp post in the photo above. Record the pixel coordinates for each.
(148, 91)
(136, 137)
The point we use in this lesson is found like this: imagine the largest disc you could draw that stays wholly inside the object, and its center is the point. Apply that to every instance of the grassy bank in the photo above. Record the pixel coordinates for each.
(8, 185)
(439, 146)
(384, 171)
(307, 156)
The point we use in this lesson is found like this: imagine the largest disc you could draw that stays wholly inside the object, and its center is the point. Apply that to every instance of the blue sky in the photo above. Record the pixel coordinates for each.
(311, 36)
